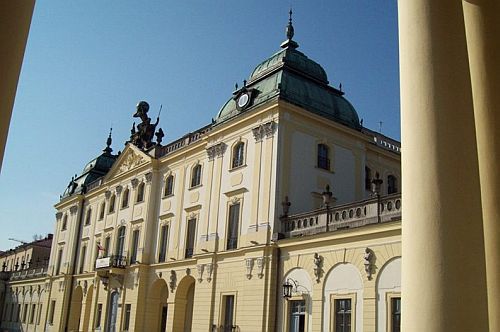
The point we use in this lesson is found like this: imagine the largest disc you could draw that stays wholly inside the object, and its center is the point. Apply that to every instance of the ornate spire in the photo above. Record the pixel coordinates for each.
(108, 148)
(289, 33)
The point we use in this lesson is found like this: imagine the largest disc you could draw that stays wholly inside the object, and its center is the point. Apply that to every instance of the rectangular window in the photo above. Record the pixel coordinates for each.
(25, 313)
(82, 259)
(396, 314)
(52, 309)
(343, 315)
(297, 316)
(32, 313)
(135, 246)
(126, 322)
(59, 261)
(232, 229)
(99, 316)
(18, 313)
(190, 237)
(228, 313)
(163, 244)
(39, 314)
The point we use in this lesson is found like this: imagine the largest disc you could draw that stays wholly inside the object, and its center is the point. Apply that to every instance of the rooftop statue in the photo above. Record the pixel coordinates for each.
(142, 137)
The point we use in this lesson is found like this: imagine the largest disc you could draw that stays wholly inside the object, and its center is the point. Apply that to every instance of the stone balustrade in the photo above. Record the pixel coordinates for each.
(29, 273)
(340, 217)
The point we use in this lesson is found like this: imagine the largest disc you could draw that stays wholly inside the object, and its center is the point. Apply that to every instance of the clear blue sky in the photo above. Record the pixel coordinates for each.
(88, 63)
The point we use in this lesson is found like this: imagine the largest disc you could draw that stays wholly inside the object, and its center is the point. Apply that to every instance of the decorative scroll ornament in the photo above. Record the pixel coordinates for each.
(318, 264)
(264, 130)
(59, 215)
(107, 194)
(216, 150)
(199, 269)
(209, 267)
(249, 266)
(261, 261)
(134, 182)
(148, 177)
(369, 258)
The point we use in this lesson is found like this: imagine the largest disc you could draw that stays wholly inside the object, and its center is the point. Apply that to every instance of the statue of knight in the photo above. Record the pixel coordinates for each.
(145, 130)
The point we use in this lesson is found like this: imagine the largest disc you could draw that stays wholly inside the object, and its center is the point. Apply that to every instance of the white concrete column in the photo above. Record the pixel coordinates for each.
(482, 26)
(443, 268)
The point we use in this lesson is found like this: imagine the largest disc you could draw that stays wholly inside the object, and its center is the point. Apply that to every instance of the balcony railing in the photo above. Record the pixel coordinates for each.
(111, 261)
(343, 216)
(29, 273)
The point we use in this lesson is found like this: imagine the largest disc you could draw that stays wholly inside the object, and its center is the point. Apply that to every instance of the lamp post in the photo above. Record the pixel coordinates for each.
(376, 185)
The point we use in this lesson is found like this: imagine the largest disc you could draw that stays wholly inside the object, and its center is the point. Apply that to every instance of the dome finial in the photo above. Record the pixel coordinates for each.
(108, 148)
(290, 32)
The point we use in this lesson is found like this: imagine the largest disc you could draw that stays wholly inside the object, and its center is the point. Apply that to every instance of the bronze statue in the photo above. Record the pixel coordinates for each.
(145, 130)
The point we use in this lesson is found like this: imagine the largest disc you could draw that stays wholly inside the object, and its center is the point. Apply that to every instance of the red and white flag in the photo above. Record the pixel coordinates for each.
(100, 248)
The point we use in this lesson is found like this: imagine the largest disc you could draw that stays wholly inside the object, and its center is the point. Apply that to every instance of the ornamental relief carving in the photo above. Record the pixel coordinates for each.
(264, 130)
(130, 161)
(216, 150)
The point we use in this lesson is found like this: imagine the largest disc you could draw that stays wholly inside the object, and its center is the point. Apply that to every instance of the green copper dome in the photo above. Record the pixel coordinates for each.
(291, 76)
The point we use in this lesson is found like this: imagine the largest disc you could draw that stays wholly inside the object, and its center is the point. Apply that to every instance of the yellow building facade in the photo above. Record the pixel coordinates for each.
(283, 214)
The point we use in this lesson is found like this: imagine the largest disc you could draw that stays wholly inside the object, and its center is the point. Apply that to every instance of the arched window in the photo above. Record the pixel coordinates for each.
(323, 160)
(125, 198)
(64, 223)
(169, 185)
(238, 155)
(392, 185)
(88, 216)
(120, 241)
(112, 204)
(196, 176)
(101, 212)
(140, 192)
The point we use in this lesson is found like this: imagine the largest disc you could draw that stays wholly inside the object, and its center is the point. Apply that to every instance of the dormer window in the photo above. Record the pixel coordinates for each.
(196, 176)
(238, 155)
(323, 158)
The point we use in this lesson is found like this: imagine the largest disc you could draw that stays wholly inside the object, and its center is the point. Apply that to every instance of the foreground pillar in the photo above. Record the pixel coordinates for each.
(482, 23)
(443, 277)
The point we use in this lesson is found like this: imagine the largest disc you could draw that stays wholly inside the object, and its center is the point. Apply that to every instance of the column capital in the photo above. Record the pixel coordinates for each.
(264, 130)
(216, 150)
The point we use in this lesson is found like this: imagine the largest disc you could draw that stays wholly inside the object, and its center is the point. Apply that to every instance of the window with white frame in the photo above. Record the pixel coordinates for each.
(233, 226)
(162, 255)
(196, 176)
(112, 204)
(140, 193)
(323, 157)
(238, 155)
(88, 216)
(343, 314)
(169, 186)
(125, 197)
(297, 316)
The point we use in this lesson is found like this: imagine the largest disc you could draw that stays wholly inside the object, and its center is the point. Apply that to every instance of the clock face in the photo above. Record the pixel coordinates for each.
(243, 100)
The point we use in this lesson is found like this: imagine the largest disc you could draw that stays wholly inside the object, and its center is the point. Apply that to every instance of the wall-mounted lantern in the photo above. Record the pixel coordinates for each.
(288, 287)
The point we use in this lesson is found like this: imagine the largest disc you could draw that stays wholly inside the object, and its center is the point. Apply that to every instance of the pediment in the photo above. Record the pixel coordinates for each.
(130, 158)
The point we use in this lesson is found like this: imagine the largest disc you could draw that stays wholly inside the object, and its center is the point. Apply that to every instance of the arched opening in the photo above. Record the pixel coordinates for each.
(184, 298)
(343, 294)
(88, 308)
(297, 310)
(75, 309)
(112, 312)
(389, 296)
(157, 308)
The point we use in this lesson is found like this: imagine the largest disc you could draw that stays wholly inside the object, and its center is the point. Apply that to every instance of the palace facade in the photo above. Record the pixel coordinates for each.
(283, 214)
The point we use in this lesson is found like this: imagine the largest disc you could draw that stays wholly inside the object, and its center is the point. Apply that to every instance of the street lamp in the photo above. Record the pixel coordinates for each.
(288, 286)
(376, 185)
(327, 196)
